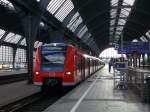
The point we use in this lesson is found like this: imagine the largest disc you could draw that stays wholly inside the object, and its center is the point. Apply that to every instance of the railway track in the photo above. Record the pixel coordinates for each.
(34, 103)
(12, 78)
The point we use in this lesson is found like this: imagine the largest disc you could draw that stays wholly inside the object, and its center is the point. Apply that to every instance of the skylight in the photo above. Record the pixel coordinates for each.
(2, 32)
(60, 9)
(6, 3)
(123, 15)
(130, 2)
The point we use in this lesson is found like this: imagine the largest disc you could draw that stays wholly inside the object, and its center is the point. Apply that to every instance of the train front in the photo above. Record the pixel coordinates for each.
(50, 65)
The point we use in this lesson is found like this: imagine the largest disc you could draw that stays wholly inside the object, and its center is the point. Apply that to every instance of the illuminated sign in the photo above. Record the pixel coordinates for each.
(130, 47)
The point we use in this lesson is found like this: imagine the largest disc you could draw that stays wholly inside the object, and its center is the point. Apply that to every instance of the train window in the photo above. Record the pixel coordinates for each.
(53, 58)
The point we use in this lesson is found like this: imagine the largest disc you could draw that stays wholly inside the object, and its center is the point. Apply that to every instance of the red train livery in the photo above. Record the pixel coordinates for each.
(59, 64)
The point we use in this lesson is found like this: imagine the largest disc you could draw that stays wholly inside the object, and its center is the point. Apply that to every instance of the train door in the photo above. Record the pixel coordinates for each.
(78, 66)
(82, 68)
(86, 67)
(89, 67)
(94, 66)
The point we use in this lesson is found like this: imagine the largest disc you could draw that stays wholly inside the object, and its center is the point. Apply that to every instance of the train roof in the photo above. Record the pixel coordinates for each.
(65, 44)
(56, 44)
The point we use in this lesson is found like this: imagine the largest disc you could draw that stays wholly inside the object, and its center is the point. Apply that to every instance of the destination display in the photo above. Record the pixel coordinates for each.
(130, 47)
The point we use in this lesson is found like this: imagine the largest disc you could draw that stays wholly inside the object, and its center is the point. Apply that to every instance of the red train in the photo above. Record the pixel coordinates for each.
(60, 65)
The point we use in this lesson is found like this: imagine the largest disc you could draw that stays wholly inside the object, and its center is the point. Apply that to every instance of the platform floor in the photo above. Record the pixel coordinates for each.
(12, 72)
(97, 94)
(15, 91)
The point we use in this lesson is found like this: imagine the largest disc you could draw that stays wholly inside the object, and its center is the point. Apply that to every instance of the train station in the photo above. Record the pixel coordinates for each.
(74, 56)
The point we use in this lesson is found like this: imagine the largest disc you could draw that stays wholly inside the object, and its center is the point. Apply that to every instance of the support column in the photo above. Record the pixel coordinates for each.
(139, 59)
(14, 55)
(149, 54)
(143, 57)
(134, 61)
(31, 24)
(131, 61)
(128, 57)
(148, 61)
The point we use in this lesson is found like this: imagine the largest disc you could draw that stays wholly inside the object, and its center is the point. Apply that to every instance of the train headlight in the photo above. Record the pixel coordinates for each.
(68, 73)
(37, 73)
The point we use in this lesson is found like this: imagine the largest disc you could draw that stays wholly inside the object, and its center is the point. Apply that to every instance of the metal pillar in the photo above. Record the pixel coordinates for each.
(136, 62)
(148, 60)
(129, 61)
(31, 24)
(149, 54)
(139, 59)
(143, 57)
(132, 61)
(14, 55)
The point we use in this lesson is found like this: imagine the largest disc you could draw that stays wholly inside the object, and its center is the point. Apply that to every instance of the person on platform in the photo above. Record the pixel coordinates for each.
(110, 64)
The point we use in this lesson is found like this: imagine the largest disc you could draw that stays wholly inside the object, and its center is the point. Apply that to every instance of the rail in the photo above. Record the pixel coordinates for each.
(13, 78)
(37, 102)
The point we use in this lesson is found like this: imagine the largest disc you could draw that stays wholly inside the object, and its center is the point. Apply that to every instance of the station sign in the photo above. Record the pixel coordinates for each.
(131, 47)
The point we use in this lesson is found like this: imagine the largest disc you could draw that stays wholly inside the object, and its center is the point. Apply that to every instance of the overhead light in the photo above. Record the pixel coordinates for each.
(38, 0)
(42, 24)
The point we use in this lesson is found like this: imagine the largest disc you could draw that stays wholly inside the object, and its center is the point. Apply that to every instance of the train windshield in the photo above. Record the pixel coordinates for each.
(53, 58)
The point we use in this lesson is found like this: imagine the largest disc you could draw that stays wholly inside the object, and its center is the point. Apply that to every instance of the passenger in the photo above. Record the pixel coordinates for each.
(110, 64)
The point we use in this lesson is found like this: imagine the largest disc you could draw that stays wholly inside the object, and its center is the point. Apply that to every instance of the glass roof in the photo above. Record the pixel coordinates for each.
(64, 11)
(130, 2)
(15, 39)
(74, 22)
(144, 39)
(125, 11)
(6, 3)
(81, 30)
(61, 9)
(120, 22)
(23, 42)
(114, 2)
(87, 37)
(9, 37)
(112, 22)
(12, 38)
(2, 32)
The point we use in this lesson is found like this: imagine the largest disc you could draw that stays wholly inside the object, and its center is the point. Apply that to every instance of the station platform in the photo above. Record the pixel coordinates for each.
(12, 72)
(97, 94)
(16, 91)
